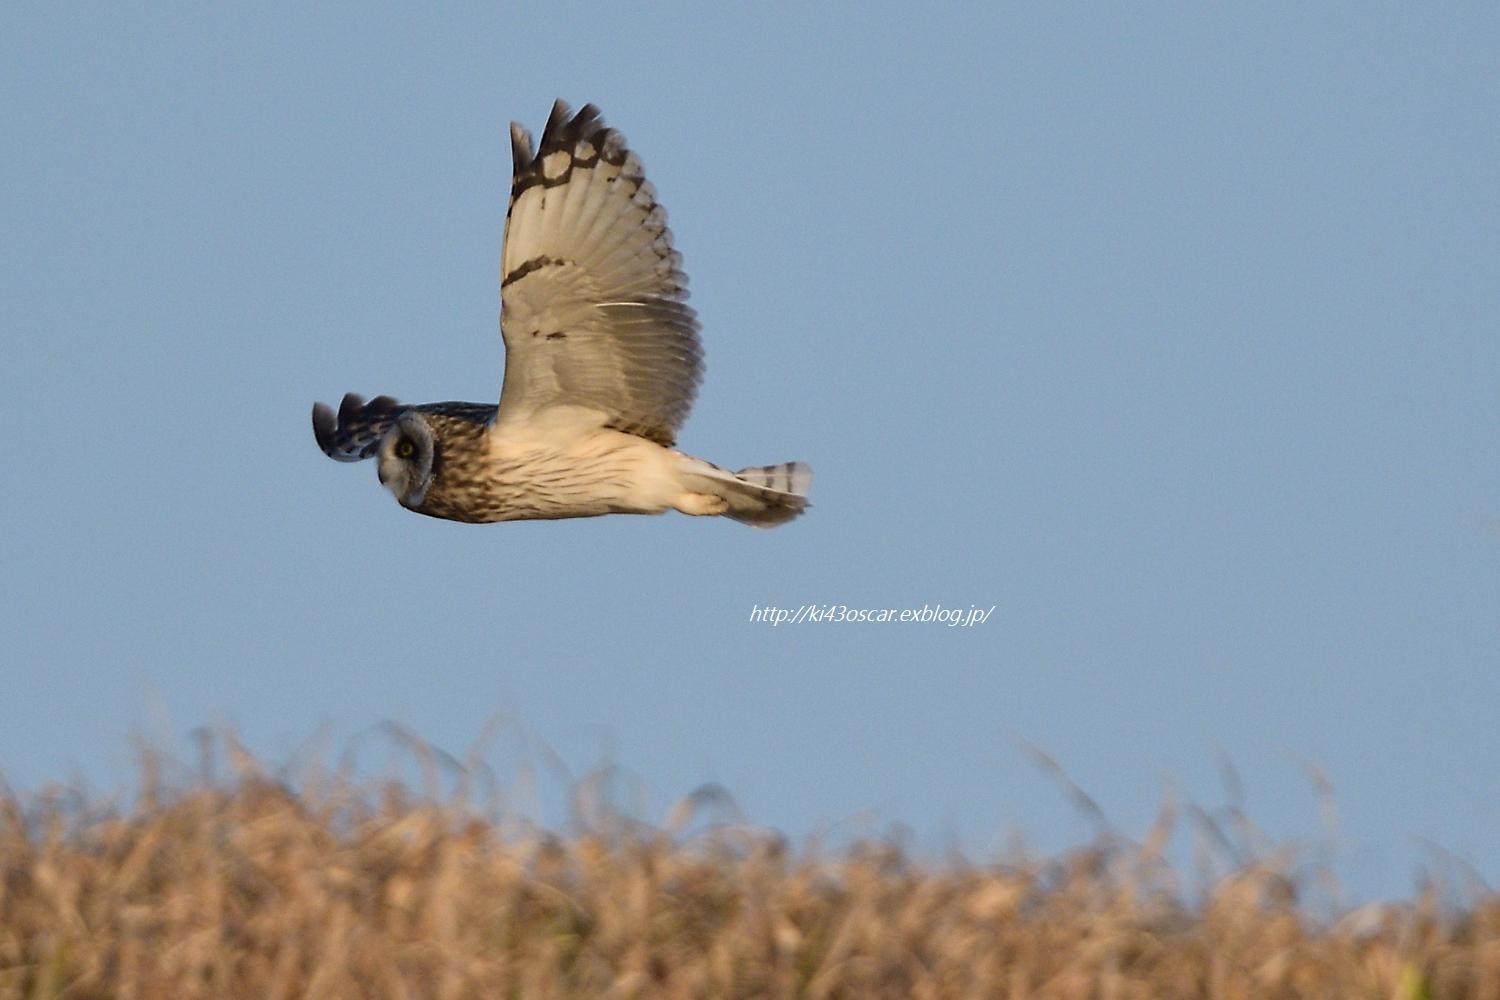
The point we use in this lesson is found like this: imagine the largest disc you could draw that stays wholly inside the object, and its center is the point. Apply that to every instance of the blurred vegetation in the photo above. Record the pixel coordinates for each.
(253, 885)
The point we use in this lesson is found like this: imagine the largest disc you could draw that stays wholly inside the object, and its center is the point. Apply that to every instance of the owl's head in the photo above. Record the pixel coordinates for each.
(405, 459)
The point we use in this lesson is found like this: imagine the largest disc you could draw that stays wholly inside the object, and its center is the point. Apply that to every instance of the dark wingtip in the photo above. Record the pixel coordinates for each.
(352, 434)
(563, 132)
(587, 115)
(520, 149)
(382, 404)
(349, 408)
(555, 122)
(324, 425)
(564, 128)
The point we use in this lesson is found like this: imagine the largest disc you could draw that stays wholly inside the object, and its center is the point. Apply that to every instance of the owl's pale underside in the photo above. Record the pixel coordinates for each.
(602, 362)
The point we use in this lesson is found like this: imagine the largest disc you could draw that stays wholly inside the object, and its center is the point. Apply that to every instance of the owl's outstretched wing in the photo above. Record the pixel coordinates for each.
(355, 433)
(592, 293)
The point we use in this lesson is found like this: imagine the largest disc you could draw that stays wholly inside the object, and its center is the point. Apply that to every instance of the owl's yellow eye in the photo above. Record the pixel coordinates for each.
(405, 449)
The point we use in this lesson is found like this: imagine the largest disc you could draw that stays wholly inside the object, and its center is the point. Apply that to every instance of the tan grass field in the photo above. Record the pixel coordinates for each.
(245, 888)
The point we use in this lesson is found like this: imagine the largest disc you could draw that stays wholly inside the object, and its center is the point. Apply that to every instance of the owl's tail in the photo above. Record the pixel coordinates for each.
(762, 495)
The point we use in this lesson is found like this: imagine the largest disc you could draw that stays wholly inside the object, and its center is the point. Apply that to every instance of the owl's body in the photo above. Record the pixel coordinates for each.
(483, 477)
(602, 364)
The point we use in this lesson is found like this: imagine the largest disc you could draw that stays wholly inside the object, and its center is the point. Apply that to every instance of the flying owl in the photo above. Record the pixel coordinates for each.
(602, 361)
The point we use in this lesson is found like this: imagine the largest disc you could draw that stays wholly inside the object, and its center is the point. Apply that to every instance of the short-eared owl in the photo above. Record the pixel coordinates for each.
(602, 361)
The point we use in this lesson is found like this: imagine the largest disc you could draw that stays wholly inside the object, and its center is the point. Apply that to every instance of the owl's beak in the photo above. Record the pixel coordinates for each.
(380, 472)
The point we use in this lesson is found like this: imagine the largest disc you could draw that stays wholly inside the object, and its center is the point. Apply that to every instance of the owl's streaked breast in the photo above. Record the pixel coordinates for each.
(475, 482)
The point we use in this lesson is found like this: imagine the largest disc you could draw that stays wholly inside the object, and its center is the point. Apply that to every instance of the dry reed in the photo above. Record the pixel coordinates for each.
(245, 887)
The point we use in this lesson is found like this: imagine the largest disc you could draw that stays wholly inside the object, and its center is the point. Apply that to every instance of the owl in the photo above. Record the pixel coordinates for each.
(602, 362)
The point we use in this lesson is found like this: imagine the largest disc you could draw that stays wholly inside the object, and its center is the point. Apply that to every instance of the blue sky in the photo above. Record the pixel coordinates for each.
(1169, 333)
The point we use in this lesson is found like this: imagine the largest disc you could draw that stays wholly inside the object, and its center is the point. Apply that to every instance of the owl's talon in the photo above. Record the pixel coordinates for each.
(701, 504)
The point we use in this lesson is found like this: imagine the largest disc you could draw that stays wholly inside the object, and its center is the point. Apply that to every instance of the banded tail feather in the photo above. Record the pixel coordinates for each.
(787, 477)
(763, 496)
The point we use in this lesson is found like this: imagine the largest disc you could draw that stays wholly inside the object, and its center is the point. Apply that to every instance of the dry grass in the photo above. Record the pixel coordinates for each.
(245, 888)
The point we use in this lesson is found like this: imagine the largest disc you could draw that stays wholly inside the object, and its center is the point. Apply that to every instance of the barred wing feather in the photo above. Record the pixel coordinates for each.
(592, 292)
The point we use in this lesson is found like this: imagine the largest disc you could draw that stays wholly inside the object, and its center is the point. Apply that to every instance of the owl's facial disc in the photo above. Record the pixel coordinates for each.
(404, 462)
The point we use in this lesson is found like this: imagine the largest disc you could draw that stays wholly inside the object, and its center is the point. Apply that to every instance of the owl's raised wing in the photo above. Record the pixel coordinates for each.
(592, 293)
(355, 433)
